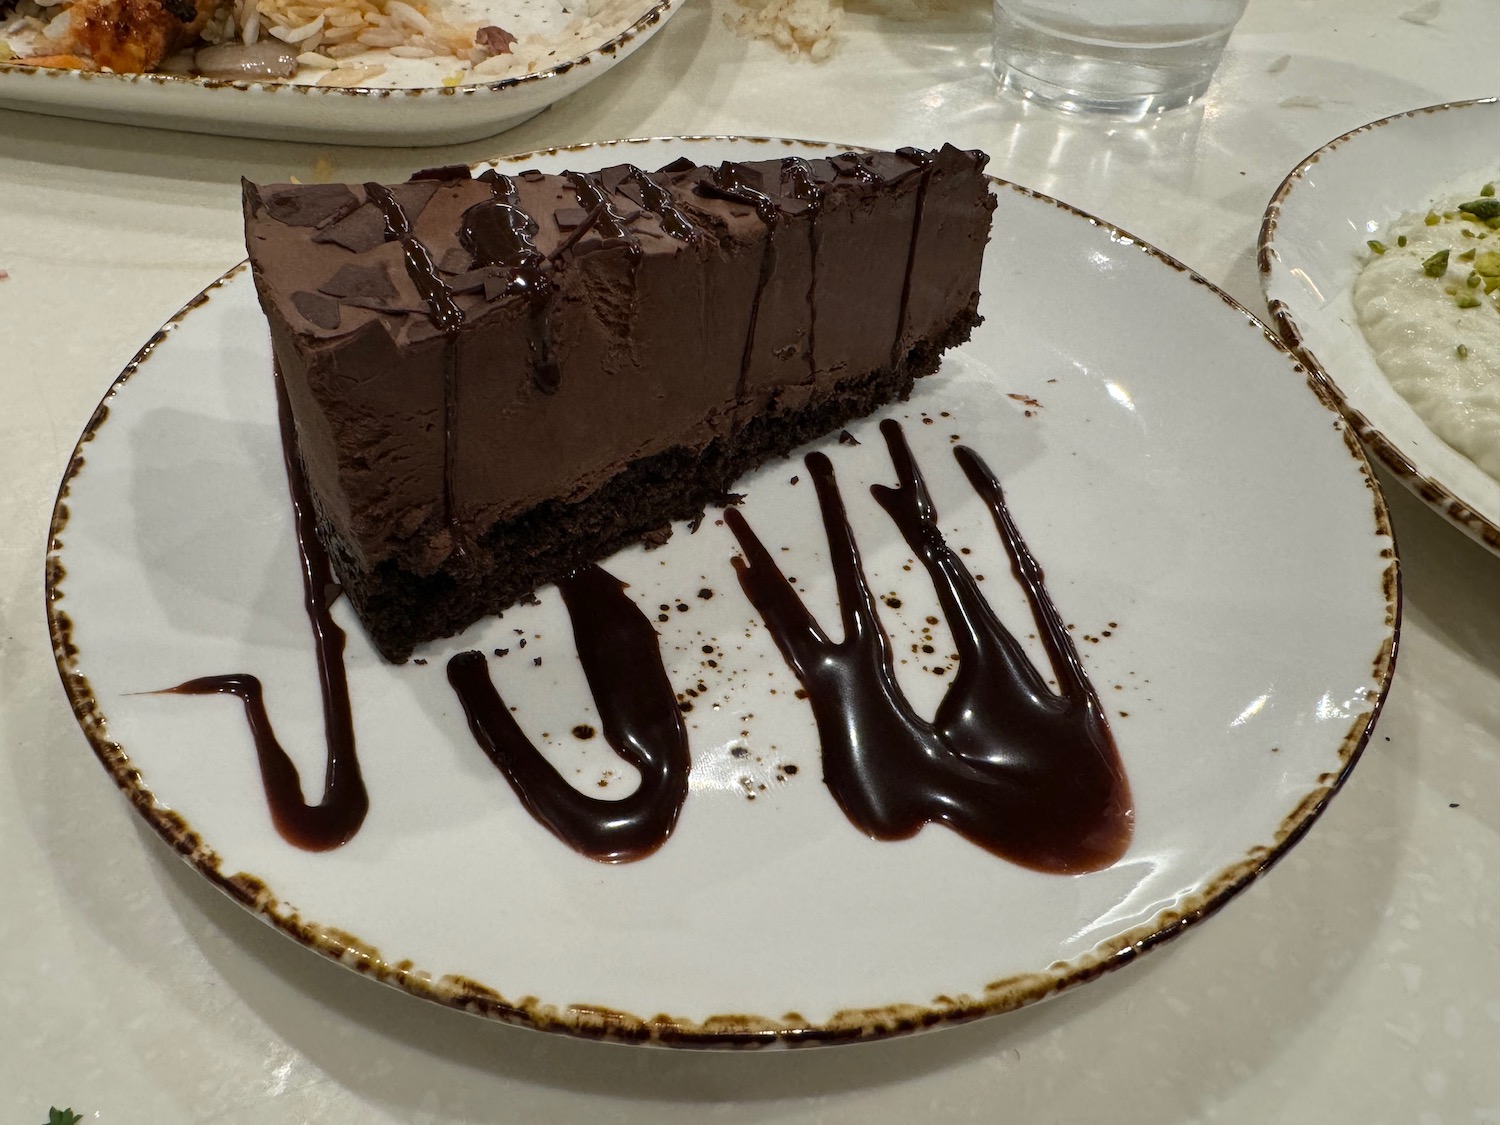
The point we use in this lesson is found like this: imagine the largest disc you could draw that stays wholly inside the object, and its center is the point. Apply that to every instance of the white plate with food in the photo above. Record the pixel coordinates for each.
(1369, 234)
(361, 72)
(1211, 536)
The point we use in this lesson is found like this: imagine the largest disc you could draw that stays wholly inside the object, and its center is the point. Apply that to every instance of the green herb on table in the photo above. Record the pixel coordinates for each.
(57, 1116)
(1462, 351)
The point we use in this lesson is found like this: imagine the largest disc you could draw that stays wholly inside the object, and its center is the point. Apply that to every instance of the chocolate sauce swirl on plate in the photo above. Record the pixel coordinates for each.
(1028, 773)
(621, 659)
(338, 816)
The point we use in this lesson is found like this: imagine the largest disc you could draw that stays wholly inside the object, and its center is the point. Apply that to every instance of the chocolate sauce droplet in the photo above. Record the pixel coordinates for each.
(621, 658)
(1027, 773)
(338, 816)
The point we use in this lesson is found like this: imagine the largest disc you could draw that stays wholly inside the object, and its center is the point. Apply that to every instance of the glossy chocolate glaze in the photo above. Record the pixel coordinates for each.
(1028, 773)
(606, 221)
(502, 235)
(441, 308)
(338, 816)
(621, 659)
(658, 201)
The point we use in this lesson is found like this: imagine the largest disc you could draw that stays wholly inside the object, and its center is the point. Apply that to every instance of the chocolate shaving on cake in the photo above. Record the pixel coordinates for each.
(471, 282)
(443, 172)
(370, 282)
(360, 231)
(310, 205)
(614, 176)
(455, 260)
(318, 309)
(414, 197)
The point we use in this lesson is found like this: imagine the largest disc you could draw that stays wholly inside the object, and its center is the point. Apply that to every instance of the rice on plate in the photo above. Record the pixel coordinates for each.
(375, 43)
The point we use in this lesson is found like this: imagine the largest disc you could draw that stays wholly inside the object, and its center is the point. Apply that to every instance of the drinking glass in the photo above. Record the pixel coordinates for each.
(1127, 57)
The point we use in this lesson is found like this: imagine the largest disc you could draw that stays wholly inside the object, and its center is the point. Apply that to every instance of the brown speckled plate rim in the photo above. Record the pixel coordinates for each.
(618, 46)
(1428, 488)
(729, 1030)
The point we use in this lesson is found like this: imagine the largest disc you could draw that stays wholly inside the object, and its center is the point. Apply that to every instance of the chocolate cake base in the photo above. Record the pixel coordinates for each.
(400, 609)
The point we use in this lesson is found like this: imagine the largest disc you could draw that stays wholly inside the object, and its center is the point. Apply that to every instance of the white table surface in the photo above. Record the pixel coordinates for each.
(1358, 982)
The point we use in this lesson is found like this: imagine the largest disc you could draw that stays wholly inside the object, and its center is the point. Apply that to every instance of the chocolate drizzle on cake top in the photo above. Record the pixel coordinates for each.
(604, 220)
(739, 184)
(799, 182)
(445, 315)
(441, 308)
(501, 235)
(621, 659)
(1025, 772)
(658, 201)
(338, 816)
(922, 160)
(854, 165)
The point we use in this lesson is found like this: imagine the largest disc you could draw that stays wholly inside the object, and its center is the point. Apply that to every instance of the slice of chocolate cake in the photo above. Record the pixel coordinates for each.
(496, 380)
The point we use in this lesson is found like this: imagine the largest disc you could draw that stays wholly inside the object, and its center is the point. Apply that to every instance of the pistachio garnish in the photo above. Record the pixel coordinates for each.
(1483, 209)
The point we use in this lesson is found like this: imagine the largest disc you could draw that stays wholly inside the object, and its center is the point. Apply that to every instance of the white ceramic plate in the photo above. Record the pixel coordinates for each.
(1207, 524)
(1312, 243)
(409, 105)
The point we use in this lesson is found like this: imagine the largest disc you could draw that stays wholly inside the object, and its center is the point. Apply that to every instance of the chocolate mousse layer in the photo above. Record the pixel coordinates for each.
(498, 379)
